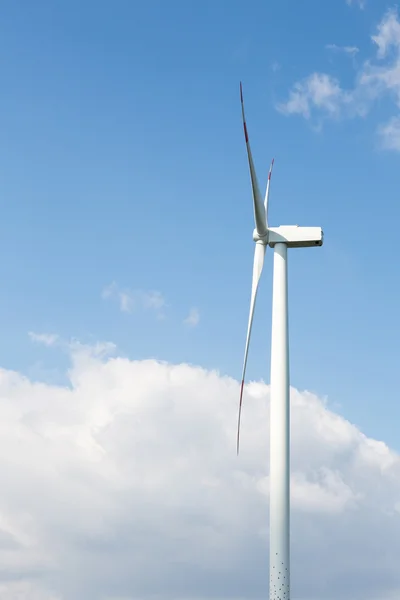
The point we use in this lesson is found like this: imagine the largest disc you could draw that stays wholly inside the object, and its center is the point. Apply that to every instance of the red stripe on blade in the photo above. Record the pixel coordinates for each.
(270, 169)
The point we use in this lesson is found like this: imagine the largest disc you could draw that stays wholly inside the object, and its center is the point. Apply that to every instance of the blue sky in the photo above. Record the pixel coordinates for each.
(126, 235)
(123, 164)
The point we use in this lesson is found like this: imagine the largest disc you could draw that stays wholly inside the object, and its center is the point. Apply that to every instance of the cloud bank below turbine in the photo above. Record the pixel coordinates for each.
(126, 485)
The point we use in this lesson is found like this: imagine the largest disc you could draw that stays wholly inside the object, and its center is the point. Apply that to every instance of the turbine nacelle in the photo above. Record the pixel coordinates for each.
(291, 235)
(295, 237)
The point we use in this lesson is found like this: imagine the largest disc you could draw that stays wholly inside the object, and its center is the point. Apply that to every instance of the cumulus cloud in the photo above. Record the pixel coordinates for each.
(322, 95)
(317, 91)
(193, 318)
(125, 484)
(130, 300)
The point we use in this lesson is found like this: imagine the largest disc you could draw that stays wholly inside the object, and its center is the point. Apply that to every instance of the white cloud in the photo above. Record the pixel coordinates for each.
(48, 339)
(390, 134)
(130, 300)
(193, 318)
(322, 96)
(351, 50)
(153, 300)
(317, 91)
(388, 33)
(359, 3)
(131, 471)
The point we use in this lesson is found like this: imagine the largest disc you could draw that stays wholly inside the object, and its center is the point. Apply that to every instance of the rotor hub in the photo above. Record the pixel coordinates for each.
(263, 239)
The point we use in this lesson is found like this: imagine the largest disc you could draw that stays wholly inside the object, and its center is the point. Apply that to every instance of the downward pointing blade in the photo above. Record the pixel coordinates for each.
(259, 210)
(257, 270)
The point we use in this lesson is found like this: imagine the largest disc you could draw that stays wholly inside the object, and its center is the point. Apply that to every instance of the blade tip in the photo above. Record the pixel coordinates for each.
(270, 169)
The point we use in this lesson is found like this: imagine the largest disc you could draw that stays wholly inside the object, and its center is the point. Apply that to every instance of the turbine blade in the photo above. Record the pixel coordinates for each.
(258, 264)
(267, 192)
(259, 211)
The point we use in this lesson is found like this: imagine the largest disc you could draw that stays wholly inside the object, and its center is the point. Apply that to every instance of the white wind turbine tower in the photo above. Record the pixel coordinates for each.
(280, 239)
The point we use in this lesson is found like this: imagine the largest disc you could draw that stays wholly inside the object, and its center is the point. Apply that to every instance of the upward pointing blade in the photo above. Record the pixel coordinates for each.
(259, 210)
(259, 255)
(267, 191)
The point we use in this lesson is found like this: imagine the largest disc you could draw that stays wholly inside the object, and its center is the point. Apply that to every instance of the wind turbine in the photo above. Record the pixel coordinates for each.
(280, 239)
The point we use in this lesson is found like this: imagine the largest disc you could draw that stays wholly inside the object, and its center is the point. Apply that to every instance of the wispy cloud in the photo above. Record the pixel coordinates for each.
(351, 50)
(390, 134)
(131, 300)
(359, 3)
(48, 339)
(73, 346)
(388, 33)
(322, 96)
(193, 318)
